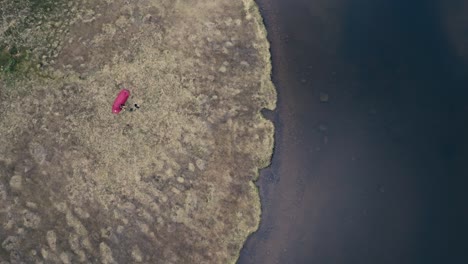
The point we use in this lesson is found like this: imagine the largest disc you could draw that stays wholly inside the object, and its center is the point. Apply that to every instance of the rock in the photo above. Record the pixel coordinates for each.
(191, 167)
(16, 182)
(51, 238)
(222, 69)
(200, 164)
(31, 205)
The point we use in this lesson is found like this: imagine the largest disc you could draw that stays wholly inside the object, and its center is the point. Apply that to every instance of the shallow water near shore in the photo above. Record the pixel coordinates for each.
(371, 134)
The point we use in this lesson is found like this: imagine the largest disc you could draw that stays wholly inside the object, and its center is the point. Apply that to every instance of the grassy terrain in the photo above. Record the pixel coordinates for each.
(168, 183)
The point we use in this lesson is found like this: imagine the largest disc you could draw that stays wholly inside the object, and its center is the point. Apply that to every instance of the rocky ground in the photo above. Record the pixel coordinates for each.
(170, 182)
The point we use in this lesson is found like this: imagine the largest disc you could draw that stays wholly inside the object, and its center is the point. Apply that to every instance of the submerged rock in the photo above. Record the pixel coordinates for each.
(323, 97)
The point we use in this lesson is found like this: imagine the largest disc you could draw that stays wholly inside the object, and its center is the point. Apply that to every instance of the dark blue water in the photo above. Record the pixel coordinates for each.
(378, 173)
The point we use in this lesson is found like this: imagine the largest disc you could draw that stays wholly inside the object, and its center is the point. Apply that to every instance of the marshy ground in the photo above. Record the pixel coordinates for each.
(168, 183)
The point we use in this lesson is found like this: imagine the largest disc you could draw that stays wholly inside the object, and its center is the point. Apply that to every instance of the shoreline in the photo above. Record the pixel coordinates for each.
(252, 8)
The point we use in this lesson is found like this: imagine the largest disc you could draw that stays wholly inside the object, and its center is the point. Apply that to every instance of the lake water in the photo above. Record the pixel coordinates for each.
(372, 127)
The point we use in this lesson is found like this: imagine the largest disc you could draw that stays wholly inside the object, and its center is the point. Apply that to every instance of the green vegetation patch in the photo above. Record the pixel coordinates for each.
(29, 32)
(12, 58)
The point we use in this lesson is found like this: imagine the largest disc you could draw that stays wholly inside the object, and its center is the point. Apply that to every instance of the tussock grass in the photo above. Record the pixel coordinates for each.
(171, 182)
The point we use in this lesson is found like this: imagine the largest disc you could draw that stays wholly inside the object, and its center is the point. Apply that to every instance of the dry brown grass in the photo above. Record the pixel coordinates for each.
(169, 183)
